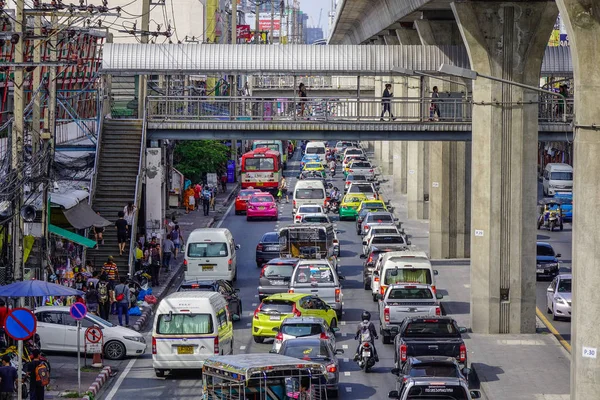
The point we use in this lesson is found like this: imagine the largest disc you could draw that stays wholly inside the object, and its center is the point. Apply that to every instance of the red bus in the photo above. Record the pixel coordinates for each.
(261, 169)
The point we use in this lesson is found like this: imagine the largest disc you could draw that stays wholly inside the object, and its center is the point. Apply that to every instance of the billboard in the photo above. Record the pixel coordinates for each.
(264, 23)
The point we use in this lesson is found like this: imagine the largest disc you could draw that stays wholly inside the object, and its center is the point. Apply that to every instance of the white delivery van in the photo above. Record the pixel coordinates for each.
(316, 148)
(558, 177)
(188, 328)
(210, 254)
(402, 267)
(308, 192)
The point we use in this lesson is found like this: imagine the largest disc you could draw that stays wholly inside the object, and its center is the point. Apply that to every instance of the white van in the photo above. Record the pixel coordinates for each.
(188, 328)
(316, 148)
(210, 254)
(402, 267)
(557, 178)
(308, 192)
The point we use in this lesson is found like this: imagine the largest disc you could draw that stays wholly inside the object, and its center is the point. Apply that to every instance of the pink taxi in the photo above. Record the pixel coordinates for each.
(261, 205)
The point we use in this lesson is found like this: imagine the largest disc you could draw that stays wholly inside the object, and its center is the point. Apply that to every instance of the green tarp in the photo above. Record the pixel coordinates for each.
(71, 236)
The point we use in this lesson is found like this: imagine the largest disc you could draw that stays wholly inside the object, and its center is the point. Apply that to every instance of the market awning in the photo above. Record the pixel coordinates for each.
(82, 216)
(71, 236)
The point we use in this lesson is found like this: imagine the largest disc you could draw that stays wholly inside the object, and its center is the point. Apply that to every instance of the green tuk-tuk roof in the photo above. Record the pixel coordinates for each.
(249, 364)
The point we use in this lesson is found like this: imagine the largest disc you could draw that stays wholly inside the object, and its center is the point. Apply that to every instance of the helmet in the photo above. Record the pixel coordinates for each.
(366, 316)
(336, 189)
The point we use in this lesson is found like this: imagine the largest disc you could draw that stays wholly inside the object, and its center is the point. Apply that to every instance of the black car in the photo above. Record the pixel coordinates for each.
(547, 265)
(275, 276)
(267, 249)
(431, 366)
(234, 303)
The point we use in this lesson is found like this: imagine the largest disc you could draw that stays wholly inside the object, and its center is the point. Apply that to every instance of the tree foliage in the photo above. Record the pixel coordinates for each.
(194, 159)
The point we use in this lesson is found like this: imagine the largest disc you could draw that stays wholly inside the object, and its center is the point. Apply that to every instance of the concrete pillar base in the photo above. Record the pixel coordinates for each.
(399, 154)
(417, 180)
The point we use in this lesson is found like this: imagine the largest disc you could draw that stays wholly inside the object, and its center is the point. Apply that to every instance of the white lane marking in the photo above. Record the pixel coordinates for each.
(249, 324)
(344, 334)
(342, 322)
(251, 314)
(225, 215)
(119, 381)
(345, 346)
(348, 389)
(346, 373)
(467, 285)
(346, 360)
(242, 347)
(255, 295)
(254, 304)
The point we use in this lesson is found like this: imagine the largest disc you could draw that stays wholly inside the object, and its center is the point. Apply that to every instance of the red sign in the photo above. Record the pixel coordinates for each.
(243, 32)
(265, 24)
(93, 334)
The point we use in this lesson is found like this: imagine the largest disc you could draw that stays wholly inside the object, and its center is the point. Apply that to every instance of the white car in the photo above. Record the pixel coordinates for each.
(304, 327)
(307, 209)
(58, 332)
(316, 218)
(385, 240)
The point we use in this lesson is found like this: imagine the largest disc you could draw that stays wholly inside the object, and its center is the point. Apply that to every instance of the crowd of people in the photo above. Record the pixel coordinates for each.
(202, 195)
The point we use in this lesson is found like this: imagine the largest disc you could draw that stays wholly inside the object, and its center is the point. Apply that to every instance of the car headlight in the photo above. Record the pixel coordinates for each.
(553, 265)
(139, 339)
(560, 300)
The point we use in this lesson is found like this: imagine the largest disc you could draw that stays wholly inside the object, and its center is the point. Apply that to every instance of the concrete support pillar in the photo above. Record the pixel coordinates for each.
(399, 166)
(391, 39)
(376, 145)
(506, 40)
(417, 180)
(408, 37)
(583, 25)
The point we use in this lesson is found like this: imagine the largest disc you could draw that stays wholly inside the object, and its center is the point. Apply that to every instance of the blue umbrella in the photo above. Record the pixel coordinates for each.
(35, 288)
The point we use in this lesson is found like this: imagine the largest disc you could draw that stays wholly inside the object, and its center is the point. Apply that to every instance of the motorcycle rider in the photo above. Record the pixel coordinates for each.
(335, 195)
(366, 333)
(332, 167)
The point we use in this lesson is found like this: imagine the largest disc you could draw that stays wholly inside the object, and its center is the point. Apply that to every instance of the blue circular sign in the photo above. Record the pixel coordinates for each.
(20, 324)
(78, 311)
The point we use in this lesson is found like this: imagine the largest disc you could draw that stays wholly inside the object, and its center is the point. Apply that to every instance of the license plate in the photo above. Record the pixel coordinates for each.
(207, 268)
(275, 318)
(261, 208)
(366, 354)
(259, 183)
(277, 282)
(272, 248)
(185, 350)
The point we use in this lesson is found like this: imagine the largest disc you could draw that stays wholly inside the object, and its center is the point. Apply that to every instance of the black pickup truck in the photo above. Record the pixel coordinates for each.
(426, 336)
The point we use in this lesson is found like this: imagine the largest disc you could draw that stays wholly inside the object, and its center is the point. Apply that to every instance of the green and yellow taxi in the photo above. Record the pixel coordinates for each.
(350, 204)
(372, 206)
(315, 166)
(274, 309)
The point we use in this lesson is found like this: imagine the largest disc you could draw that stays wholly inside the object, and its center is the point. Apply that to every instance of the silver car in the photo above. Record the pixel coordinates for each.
(319, 277)
(354, 178)
(308, 327)
(362, 168)
(558, 297)
(379, 218)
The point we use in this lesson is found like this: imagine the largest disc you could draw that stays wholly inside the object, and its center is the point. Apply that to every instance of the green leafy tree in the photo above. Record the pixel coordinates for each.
(194, 159)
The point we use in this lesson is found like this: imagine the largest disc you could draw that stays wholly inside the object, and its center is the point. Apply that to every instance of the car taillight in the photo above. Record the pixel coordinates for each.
(294, 203)
(262, 271)
(463, 353)
(256, 312)
(347, 182)
(153, 345)
(324, 336)
(331, 368)
(259, 247)
(296, 312)
(370, 170)
(325, 203)
(366, 345)
(438, 311)
(376, 279)
(367, 227)
(350, 171)
(403, 349)
(185, 265)
(370, 260)
(298, 217)
(386, 314)
(216, 345)
(434, 290)
(279, 337)
(382, 290)
(229, 264)
(338, 295)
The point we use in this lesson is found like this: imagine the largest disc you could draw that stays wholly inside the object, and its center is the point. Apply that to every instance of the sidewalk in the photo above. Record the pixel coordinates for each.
(509, 367)
(64, 367)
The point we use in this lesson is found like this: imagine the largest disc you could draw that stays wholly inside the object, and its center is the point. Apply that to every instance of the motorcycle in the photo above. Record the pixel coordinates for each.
(366, 356)
(334, 206)
(332, 171)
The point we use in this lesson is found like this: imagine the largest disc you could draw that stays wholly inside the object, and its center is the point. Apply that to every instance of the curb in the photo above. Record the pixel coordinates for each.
(98, 383)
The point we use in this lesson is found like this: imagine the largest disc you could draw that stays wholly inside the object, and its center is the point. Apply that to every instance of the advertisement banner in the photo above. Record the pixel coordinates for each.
(243, 32)
(265, 24)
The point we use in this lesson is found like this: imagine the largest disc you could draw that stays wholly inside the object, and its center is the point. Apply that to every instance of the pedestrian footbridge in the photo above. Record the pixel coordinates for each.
(352, 118)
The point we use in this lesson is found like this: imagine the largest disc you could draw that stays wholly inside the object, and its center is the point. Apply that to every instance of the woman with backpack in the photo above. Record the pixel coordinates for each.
(39, 376)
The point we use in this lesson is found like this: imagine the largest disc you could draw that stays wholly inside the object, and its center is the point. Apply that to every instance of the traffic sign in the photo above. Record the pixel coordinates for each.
(93, 334)
(78, 311)
(20, 324)
(93, 348)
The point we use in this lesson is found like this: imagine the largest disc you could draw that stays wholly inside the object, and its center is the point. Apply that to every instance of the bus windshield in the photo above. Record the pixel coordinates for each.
(259, 164)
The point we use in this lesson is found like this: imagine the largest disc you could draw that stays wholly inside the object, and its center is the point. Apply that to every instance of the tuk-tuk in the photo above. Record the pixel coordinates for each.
(550, 214)
(310, 241)
(262, 377)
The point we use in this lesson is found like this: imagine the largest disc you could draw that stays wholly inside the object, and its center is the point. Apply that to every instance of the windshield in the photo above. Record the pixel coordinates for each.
(387, 240)
(262, 199)
(373, 206)
(561, 176)
(246, 193)
(380, 218)
(278, 306)
(184, 324)
(207, 249)
(545, 251)
(353, 151)
(315, 150)
(279, 271)
(309, 209)
(437, 392)
(270, 237)
(434, 370)
(361, 189)
(272, 146)
(313, 165)
(306, 351)
(564, 286)
(360, 164)
(410, 294)
(259, 164)
(322, 220)
(99, 320)
(431, 327)
(309, 194)
(405, 275)
(313, 274)
(301, 329)
(351, 177)
(377, 231)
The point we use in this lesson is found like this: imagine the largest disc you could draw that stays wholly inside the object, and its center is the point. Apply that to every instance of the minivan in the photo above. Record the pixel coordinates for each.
(210, 254)
(402, 267)
(557, 178)
(316, 148)
(308, 192)
(188, 328)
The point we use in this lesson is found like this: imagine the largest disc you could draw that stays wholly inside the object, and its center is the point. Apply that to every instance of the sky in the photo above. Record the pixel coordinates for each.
(312, 8)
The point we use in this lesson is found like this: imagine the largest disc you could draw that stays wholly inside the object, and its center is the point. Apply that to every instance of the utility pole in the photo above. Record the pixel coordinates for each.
(272, 21)
(234, 21)
(287, 19)
(18, 137)
(257, 25)
(141, 90)
(280, 21)
(233, 87)
(37, 101)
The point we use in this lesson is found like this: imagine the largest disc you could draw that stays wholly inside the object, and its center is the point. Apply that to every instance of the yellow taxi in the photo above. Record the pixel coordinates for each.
(372, 206)
(350, 204)
(315, 166)
(274, 309)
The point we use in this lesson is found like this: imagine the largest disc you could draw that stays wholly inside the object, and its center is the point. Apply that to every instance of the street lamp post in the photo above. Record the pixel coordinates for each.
(473, 75)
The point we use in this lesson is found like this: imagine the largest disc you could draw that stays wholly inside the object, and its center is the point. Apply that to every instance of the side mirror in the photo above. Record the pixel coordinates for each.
(558, 255)
(394, 394)
(339, 351)
(379, 296)
(475, 394)
(466, 371)
(273, 351)
(396, 219)
(550, 290)
(435, 272)
(237, 246)
(364, 242)
(375, 273)
(335, 330)
(408, 243)
(237, 290)
(341, 278)
(396, 371)
(276, 329)
(363, 256)
(439, 296)
(462, 329)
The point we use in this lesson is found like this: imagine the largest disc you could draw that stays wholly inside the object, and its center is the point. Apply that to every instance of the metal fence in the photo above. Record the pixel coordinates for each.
(313, 82)
(334, 109)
